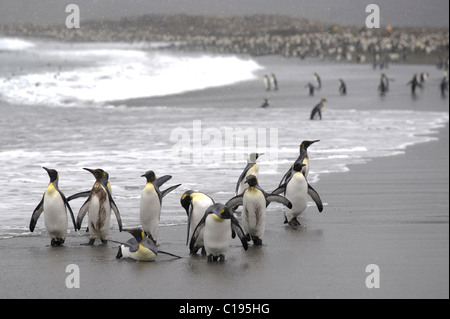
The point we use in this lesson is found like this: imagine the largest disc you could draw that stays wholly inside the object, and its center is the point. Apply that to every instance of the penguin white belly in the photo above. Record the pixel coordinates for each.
(143, 254)
(217, 235)
(305, 169)
(254, 213)
(99, 218)
(242, 185)
(296, 192)
(55, 215)
(150, 211)
(200, 206)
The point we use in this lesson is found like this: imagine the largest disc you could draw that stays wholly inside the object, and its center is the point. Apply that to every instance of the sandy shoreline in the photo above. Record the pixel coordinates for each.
(392, 212)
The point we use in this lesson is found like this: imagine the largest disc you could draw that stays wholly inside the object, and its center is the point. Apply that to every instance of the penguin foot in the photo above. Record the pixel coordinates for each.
(212, 258)
(90, 243)
(221, 257)
(294, 222)
(203, 251)
(56, 242)
(247, 237)
(104, 241)
(257, 241)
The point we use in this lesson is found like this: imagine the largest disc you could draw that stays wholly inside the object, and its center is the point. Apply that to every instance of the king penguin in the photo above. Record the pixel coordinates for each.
(151, 201)
(303, 158)
(318, 80)
(98, 206)
(342, 87)
(142, 247)
(195, 204)
(54, 205)
(250, 169)
(317, 110)
(218, 224)
(267, 82)
(296, 189)
(254, 201)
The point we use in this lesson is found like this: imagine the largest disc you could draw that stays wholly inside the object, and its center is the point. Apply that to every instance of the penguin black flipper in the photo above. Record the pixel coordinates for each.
(242, 176)
(168, 190)
(236, 201)
(237, 229)
(113, 207)
(279, 199)
(280, 189)
(315, 196)
(189, 223)
(66, 202)
(197, 231)
(36, 213)
(82, 212)
(78, 195)
(160, 181)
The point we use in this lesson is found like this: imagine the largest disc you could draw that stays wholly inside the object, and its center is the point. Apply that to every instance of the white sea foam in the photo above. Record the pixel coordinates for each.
(15, 44)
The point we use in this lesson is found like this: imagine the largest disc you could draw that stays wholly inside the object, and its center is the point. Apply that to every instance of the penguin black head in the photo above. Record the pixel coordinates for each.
(98, 173)
(53, 174)
(138, 233)
(253, 157)
(150, 175)
(220, 210)
(251, 180)
(186, 200)
(298, 167)
(323, 100)
(306, 144)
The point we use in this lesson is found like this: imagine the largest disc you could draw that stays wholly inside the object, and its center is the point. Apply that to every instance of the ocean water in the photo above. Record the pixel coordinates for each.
(67, 106)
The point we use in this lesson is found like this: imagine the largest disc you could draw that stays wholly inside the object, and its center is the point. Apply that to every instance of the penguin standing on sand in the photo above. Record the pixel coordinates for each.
(254, 201)
(54, 205)
(218, 225)
(151, 201)
(274, 82)
(383, 87)
(318, 80)
(142, 247)
(250, 169)
(317, 110)
(296, 189)
(423, 78)
(342, 87)
(303, 158)
(99, 205)
(195, 204)
(414, 83)
(311, 89)
(267, 82)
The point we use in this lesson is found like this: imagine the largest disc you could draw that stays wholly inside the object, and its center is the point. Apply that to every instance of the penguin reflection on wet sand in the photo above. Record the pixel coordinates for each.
(317, 110)
(54, 205)
(254, 201)
(98, 206)
(219, 226)
(295, 189)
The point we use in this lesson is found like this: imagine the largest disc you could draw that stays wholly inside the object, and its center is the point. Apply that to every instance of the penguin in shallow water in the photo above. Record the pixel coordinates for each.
(311, 89)
(303, 158)
(318, 80)
(250, 169)
(98, 206)
(151, 201)
(317, 110)
(383, 87)
(254, 201)
(54, 205)
(218, 224)
(267, 82)
(296, 188)
(342, 87)
(414, 83)
(195, 204)
(142, 247)
(274, 82)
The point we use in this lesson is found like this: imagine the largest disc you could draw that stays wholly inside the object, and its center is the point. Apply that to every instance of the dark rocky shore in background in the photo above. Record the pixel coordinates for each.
(260, 35)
